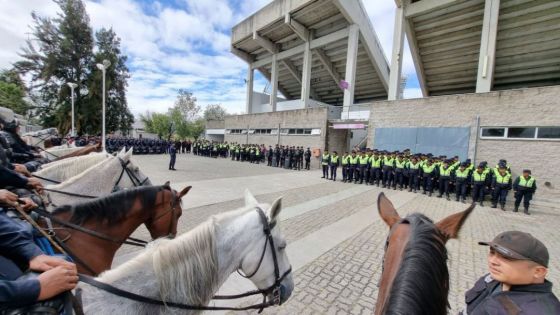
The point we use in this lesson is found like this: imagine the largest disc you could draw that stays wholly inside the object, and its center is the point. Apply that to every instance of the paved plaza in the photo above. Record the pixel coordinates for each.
(335, 236)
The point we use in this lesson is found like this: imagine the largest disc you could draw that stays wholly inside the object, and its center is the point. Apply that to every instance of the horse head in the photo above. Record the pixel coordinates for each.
(165, 217)
(415, 261)
(267, 266)
(131, 175)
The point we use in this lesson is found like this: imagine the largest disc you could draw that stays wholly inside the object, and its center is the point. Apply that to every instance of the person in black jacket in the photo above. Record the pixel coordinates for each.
(501, 184)
(307, 156)
(18, 250)
(518, 265)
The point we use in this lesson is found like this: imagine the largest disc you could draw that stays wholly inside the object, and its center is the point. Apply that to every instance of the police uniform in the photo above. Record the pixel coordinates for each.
(524, 189)
(325, 160)
(479, 181)
(501, 184)
(375, 169)
(334, 163)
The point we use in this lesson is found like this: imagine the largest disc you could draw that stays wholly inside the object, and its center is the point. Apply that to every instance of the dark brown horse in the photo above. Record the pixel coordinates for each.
(113, 219)
(415, 279)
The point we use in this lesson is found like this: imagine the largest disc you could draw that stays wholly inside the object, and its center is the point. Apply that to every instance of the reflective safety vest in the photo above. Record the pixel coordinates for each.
(477, 177)
(354, 160)
(526, 183)
(236, 149)
(257, 152)
(325, 160)
(364, 160)
(445, 172)
(345, 159)
(375, 162)
(334, 159)
(413, 166)
(503, 179)
(400, 164)
(462, 174)
(388, 161)
(428, 169)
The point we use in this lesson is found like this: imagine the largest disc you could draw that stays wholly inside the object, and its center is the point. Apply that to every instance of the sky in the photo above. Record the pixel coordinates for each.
(179, 44)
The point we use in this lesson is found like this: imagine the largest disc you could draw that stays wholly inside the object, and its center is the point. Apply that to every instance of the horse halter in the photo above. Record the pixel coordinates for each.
(133, 178)
(275, 288)
(171, 210)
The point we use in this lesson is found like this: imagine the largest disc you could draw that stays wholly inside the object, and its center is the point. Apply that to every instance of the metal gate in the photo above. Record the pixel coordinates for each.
(449, 141)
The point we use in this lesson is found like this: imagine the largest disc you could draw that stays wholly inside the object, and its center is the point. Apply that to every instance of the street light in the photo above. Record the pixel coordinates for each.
(103, 67)
(72, 87)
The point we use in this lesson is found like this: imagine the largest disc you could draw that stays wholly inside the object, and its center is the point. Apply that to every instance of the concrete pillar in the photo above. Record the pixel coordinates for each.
(486, 62)
(274, 82)
(351, 59)
(250, 80)
(397, 56)
(306, 74)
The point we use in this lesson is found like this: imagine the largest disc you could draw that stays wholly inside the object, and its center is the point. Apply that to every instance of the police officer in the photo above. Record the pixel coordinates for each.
(400, 167)
(334, 163)
(479, 181)
(413, 174)
(354, 164)
(364, 161)
(444, 174)
(524, 187)
(307, 158)
(345, 161)
(325, 159)
(173, 156)
(388, 164)
(269, 155)
(518, 265)
(375, 169)
(461, 178)
(501, 184)
(428, 174)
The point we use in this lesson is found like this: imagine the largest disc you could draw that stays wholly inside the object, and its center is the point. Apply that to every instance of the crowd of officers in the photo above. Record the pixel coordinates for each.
(288, 157)
(147, 146)
(427, 173)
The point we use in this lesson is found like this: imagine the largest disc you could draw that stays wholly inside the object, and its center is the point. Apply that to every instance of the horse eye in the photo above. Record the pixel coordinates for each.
(282, 247)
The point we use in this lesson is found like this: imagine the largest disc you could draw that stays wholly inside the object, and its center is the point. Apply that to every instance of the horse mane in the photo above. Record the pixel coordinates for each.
(111, 208)
(78, 152)
(421, 285)
(72, 180)
(73, 165)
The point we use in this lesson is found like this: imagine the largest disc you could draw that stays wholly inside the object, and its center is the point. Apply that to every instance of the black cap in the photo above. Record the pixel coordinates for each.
(521, 246)
(527, 171)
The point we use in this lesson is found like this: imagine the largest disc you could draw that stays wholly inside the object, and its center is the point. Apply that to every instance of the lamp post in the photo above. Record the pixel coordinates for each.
(103, 67)
(72, 87)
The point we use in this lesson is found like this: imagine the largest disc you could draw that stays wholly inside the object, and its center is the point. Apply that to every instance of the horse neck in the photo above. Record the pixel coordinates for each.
(233, 241)
(96, 180)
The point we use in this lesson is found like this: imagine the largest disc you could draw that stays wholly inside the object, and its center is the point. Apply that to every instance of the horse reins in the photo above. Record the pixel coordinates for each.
(274, 289)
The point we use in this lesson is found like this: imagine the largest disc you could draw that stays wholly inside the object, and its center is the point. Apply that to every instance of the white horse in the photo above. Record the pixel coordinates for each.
(99, 180)
(64, 169)
(191, 268)
(52, 154)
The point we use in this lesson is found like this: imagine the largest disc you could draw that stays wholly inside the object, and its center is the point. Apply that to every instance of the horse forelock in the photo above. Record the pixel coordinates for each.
(421, 285)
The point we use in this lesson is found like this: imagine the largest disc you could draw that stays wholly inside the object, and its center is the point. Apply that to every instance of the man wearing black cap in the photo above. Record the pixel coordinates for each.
(524, 187)
(501, 184)
(461, 178)
(516, 284)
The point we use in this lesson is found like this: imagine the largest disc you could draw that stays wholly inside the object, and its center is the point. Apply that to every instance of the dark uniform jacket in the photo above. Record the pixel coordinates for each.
(486, 298)
(16, 244)
(9, 177)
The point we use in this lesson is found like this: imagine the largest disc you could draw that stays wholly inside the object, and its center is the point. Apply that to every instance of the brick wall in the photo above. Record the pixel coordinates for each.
(315, 118)
(523, 107)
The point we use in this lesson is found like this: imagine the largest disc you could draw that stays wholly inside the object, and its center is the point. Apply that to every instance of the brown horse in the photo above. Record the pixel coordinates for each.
(415, 278)
(110, 220)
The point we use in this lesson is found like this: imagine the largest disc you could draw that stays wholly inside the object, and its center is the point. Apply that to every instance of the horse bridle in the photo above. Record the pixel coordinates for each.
(133, 178)
(274, 289)
(129, 240)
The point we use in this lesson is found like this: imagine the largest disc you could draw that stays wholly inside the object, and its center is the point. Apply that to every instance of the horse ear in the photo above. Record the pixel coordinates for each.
(451, 225)
(184, 191)
(167, 184)
(250, 200)
(387, 211)
(128, 154)
(275, 209)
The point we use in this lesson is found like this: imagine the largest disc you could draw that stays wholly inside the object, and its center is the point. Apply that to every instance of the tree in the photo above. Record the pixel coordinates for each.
(118, 116)
(12, 92)
(197, 128)
(186, 104)
(215, 112)
(62, 52)
(162, 125)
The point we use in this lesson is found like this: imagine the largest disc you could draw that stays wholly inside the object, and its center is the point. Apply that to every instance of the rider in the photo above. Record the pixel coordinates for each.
(516, 284)
(20, 253)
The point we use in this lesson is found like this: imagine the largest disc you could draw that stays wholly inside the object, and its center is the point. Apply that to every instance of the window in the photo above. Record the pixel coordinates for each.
(263, 131)
(549, 133)
(236, 131)
(521, 133)
(493, 132)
